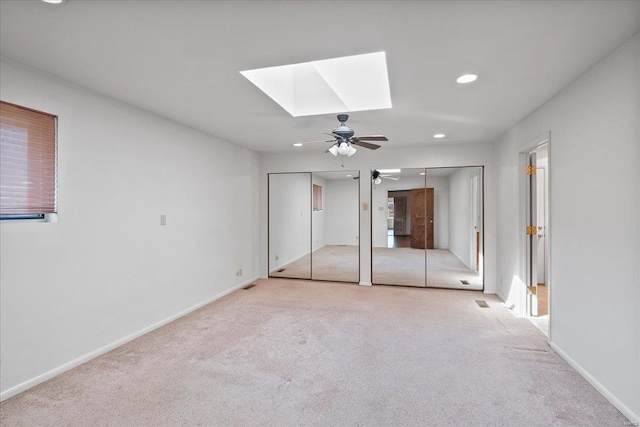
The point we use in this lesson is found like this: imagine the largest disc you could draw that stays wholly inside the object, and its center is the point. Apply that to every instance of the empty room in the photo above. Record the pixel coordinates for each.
(345, 213)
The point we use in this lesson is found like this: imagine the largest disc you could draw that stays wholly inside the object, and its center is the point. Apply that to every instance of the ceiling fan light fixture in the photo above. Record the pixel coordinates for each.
(377, 181)
(352, 151)
(333, 150)
(343, 149)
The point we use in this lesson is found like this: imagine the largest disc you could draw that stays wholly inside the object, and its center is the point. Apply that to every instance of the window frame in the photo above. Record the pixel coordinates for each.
(42, 216)
(317, 196)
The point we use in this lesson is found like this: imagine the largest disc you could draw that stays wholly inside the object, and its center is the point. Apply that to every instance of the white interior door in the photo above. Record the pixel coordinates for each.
(541, 225)
(532, 236)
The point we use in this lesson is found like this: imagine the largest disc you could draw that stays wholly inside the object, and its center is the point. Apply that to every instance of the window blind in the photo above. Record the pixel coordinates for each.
(27, 161)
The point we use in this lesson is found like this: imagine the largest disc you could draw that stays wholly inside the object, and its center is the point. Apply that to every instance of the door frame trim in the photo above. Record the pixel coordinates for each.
(523, 152)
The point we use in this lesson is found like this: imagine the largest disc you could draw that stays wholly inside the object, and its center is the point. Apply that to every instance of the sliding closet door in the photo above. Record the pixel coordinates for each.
(290, 206)
(336, 226)
(454, 256)
(398, 218)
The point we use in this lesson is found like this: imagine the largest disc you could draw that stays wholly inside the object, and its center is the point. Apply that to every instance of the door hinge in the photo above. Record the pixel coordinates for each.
(531, 170)
(531, 230)
(531, 290)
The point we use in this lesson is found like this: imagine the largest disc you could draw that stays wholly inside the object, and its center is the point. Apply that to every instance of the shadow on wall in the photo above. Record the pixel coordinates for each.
(516, 296)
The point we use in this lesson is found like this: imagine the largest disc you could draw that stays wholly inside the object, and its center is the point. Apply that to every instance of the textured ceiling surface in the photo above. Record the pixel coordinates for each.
(181, 59)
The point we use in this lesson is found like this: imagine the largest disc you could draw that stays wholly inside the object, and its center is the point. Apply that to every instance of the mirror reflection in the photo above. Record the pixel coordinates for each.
(427, 227)
(335, 229)
(290, 225)
(399, 235)
(455, 260)
(314, 226)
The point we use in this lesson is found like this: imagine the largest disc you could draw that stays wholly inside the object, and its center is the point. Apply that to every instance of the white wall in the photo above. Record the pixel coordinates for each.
(107, 270)
(442, 155)
(342, 211)
(289, 218)
(441, 210)
(594, 217)
(460, 214)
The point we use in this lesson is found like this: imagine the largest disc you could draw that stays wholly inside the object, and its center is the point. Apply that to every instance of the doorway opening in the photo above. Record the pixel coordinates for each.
(398, 219)
(537, 241)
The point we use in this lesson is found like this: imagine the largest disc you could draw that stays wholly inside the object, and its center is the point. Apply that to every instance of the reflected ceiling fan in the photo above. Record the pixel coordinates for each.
(344, 141)
(376, 177)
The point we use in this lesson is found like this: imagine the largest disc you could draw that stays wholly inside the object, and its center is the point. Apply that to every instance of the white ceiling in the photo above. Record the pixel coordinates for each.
(181, 59)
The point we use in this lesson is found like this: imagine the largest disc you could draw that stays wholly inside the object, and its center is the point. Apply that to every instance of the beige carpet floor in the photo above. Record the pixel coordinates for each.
(338, 263)
(391, 266)
(406, 267)
(291, 352)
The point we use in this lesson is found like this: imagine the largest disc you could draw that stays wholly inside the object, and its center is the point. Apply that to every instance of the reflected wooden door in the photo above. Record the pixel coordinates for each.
(422, 218)
(400, 216)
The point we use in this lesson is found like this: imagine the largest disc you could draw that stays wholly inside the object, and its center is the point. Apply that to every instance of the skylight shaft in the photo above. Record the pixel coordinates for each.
(351, 83)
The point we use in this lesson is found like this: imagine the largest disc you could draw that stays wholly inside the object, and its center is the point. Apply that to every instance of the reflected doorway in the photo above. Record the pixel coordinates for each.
(427, 228)
(398, 219)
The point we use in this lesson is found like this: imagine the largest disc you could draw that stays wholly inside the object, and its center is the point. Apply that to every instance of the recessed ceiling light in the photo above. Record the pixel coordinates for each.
(339, 85)
(467, 78)
(421, 173)
(439, 135)
(55, 1)
(389, 170)
(298, 144)
(349, 176)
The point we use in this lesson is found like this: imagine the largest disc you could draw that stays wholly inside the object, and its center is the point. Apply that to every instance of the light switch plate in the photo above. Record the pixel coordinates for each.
(163, 220)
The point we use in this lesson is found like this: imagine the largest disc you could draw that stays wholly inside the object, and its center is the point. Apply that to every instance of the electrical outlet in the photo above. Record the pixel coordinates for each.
(163, 220)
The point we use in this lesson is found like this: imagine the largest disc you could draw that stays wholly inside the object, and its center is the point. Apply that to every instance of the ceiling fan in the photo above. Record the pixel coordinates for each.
(344, 141)
(376, 176)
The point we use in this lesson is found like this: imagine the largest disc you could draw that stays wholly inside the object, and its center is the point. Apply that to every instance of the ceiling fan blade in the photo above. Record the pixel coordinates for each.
(366, 145)
(315, 142)
(389, 177)
(371, 138)
(333, 135)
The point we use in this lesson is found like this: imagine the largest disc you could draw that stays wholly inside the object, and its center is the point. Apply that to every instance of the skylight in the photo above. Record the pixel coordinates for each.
(339, 85)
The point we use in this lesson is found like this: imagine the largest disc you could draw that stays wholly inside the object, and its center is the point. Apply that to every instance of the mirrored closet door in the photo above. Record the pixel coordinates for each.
(455, 260)
(290, 225)
(398, 221)
(427, 227)
(314, 226)
(336, 226)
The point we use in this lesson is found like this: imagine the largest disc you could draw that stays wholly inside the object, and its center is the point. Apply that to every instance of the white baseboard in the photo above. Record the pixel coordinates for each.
(635, 418)
(365, 284)
(502, 298)
(100, 351)
(285, 263)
